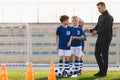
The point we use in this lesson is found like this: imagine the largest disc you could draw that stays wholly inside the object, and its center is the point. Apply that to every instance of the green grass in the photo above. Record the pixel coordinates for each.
(42, 75)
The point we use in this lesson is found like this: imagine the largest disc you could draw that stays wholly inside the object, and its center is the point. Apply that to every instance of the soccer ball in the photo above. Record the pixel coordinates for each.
(70, 72)
(58, 73)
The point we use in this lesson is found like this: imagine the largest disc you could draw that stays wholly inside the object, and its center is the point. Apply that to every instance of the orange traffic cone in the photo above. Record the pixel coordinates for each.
(29, 73)
(3, 73)
(51, 75)
(0, 75)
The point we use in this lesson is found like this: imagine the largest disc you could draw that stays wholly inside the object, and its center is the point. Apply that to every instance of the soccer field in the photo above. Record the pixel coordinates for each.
(43, 38)
(42, 75)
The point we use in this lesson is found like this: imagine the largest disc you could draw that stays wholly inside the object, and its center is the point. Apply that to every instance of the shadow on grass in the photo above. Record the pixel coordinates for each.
(69, 78)
(88, 78)
(97, 78)
(44, 78)
(80, 78)
(117, 79)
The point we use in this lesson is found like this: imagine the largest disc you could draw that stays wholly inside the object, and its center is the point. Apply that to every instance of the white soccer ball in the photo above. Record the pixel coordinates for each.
(58, 73)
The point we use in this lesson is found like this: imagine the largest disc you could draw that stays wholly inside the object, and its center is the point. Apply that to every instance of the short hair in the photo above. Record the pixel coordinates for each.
(101, 3)
(74, 17)
(63, 18)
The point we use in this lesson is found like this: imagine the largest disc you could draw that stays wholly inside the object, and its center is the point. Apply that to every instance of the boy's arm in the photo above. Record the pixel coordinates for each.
(57, 48)
(79, 37)
(69, 43)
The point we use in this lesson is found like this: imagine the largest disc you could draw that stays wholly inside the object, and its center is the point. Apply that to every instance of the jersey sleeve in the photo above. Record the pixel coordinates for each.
(57, 31)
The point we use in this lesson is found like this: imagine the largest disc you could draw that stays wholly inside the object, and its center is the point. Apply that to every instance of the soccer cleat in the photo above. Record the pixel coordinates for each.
(74, 76)
(64, 74)
(80, 72)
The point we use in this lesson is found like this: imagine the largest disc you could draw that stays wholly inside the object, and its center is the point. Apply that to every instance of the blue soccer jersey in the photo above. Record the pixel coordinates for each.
(76, 32)
(64, 37)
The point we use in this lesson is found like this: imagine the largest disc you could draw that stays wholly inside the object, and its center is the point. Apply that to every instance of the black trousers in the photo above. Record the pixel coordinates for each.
(101, 54)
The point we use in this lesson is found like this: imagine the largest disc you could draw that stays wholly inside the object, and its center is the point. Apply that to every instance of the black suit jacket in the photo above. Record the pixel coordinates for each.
(104, 26)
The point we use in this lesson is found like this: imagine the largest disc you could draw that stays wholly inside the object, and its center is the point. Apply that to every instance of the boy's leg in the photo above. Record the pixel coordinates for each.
(72, 57)
(67, 62)
(61, 65)
(78, 52)
(61, 60)
(81, 60)
(76, 64)
(71, 61)
(76, 67)
(81, 65)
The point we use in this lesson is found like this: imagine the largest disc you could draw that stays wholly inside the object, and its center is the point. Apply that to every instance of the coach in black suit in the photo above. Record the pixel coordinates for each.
(104, 31)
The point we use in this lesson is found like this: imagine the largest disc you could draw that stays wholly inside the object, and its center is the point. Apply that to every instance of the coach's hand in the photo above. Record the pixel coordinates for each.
(94, 32)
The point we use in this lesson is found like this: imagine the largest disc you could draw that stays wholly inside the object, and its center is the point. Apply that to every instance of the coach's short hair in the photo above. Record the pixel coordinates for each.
(63, 18)
(101, 3)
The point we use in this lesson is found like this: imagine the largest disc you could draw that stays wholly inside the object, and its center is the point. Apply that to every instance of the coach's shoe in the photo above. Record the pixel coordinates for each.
(74, 75)
(97, 74)
(102, 75)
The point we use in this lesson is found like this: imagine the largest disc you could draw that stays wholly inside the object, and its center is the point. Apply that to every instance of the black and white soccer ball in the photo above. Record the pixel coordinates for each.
(58, 73)
(71, 72)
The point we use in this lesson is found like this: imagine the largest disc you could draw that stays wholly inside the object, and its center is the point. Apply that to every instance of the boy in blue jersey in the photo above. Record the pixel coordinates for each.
(81, 23)
(63, 43)
(76, 44)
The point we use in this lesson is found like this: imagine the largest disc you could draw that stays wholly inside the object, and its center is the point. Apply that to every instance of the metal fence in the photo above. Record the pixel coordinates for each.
(20, 43)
